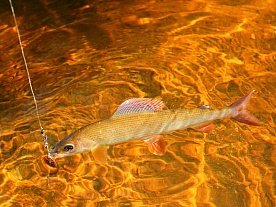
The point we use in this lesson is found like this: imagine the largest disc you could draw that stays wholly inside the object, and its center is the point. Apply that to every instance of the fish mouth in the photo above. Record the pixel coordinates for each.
(52, 155)
(52, 151)
(55, 155)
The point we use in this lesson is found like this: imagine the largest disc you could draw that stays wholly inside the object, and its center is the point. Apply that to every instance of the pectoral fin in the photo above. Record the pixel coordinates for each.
(206, 127)
(156, 144)
(100, 154)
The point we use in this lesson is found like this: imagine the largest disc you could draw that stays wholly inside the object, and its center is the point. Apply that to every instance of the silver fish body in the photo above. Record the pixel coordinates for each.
(122, 128)
(144, 119)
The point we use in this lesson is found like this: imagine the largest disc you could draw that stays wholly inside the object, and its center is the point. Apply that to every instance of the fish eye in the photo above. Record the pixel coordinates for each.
(68, 147)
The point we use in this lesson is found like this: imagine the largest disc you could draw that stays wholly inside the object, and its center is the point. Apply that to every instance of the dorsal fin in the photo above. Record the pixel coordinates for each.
(136, 105)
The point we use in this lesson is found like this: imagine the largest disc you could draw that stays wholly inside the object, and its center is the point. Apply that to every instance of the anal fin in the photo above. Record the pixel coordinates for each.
(100, 154)
(206, 127)
(156, 144)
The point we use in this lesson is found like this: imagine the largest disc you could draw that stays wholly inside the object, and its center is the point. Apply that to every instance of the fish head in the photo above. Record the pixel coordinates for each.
(70, 145)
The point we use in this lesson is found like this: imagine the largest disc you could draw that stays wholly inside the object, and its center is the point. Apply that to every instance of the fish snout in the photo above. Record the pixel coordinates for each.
(52, 151)
(54, 155)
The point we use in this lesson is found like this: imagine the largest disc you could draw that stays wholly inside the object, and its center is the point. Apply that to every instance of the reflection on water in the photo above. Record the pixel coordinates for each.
(87, 57)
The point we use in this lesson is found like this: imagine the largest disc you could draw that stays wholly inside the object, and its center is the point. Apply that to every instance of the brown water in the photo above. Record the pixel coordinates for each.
(86, 57)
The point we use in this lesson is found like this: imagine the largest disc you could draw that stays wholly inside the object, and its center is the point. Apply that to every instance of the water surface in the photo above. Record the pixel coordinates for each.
(86, 57)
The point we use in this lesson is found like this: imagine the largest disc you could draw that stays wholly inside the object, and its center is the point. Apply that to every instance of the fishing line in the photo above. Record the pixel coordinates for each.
(30, 82)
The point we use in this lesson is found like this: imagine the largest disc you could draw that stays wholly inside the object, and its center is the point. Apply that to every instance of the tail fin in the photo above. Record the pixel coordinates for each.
(241, 114)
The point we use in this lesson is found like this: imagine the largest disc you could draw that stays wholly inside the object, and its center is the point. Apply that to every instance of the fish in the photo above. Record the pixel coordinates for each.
(147, 119)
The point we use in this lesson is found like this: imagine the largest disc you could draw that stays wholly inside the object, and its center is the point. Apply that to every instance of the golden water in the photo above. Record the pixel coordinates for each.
(87, 57)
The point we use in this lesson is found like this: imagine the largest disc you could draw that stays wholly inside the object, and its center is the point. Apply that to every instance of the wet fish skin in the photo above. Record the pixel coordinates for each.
(147, 125)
